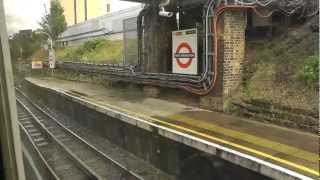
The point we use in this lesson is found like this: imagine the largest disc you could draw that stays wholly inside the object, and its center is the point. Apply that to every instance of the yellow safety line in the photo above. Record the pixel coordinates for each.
(301, 167)
(297, 166)
(247, 137)
(311, 171)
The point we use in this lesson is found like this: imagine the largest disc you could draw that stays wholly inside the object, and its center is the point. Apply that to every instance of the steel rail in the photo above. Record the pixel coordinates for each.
(67, 130)
(71, 156)
(26, 134)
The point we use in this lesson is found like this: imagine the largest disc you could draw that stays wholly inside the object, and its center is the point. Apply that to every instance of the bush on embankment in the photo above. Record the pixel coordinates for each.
(310, 72)
(284, 70)
(95, 51)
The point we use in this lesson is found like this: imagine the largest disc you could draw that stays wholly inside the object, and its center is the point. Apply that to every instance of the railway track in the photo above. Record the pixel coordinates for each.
(67, 155)
(61, 164)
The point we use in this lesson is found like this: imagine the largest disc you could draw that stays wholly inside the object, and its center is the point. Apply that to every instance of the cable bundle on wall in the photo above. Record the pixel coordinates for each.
(204, 84)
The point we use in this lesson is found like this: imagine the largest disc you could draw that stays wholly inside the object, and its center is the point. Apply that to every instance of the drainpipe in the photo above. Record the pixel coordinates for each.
(75, 11)
(178, 18)
(162, 11)
(85, 10)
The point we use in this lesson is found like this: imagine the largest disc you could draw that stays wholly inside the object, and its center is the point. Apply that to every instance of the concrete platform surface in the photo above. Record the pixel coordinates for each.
(291, 152)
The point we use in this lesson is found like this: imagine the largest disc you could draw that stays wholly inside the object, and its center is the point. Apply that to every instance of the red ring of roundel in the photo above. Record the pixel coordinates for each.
(188, 63)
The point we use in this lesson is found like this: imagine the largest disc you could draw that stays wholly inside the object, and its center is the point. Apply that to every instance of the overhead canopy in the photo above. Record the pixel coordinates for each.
(185, 2)
(140, 1)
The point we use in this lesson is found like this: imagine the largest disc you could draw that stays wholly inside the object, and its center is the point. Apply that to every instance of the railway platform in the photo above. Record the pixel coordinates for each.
(273, 151)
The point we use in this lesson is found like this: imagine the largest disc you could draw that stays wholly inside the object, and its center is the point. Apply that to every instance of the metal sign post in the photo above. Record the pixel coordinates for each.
(52, 55)
(52, 59)
(9, 130)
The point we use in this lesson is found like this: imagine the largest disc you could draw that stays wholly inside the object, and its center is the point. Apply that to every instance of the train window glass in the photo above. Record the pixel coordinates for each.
(11, 165)
(1, 165)
(173, 89)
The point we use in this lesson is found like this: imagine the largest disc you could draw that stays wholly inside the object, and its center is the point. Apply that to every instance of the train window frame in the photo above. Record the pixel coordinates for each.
(11, 151)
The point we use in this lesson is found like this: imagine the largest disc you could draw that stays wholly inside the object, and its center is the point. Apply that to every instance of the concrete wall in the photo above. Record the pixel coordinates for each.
(158, 43)
(95, 8)
(109, 26)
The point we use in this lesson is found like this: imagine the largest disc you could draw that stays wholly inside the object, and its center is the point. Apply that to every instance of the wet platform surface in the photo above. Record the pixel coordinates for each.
(291, 149)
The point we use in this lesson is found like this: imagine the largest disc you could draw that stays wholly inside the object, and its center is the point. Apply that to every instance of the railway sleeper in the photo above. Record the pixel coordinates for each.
(29, 126)
(35, 134)
(42, 144)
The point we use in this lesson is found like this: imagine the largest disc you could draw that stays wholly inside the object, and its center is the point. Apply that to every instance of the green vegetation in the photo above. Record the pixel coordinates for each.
(284, 70)
(54, 23)
(95, 51)
(27, 43)
(310, 71)
(39, 55)
(24, 44)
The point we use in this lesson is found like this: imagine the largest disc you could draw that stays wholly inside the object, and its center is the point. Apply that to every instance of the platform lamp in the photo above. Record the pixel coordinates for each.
(52, 58)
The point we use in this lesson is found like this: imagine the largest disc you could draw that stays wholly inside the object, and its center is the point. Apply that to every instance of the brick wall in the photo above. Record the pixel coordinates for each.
(233, 48)
(231, 41)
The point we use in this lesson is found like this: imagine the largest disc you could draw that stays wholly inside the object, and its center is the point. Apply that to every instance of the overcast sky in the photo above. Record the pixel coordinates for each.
(25, 14)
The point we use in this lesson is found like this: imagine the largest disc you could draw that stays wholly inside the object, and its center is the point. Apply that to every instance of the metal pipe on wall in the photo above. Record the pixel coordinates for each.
(75, 11)
(218, 12)
(85, 10)
(209, 76)
(162, 11)
(140, 28)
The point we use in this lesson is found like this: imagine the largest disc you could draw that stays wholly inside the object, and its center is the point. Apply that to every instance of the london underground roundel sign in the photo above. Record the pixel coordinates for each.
(184, 52)
(189, 55)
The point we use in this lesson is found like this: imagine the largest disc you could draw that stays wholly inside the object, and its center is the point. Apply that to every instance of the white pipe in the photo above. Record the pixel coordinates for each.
(207, 42)
(162, 11)
(205, 73)
(178, 20)
(165, 13)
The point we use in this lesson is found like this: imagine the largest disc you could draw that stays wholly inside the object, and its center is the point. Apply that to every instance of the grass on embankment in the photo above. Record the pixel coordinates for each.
(40, 55)
(95, 51)
(284, 70)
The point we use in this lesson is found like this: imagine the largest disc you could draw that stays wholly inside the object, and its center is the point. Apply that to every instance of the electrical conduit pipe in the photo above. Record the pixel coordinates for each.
(219, 10)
